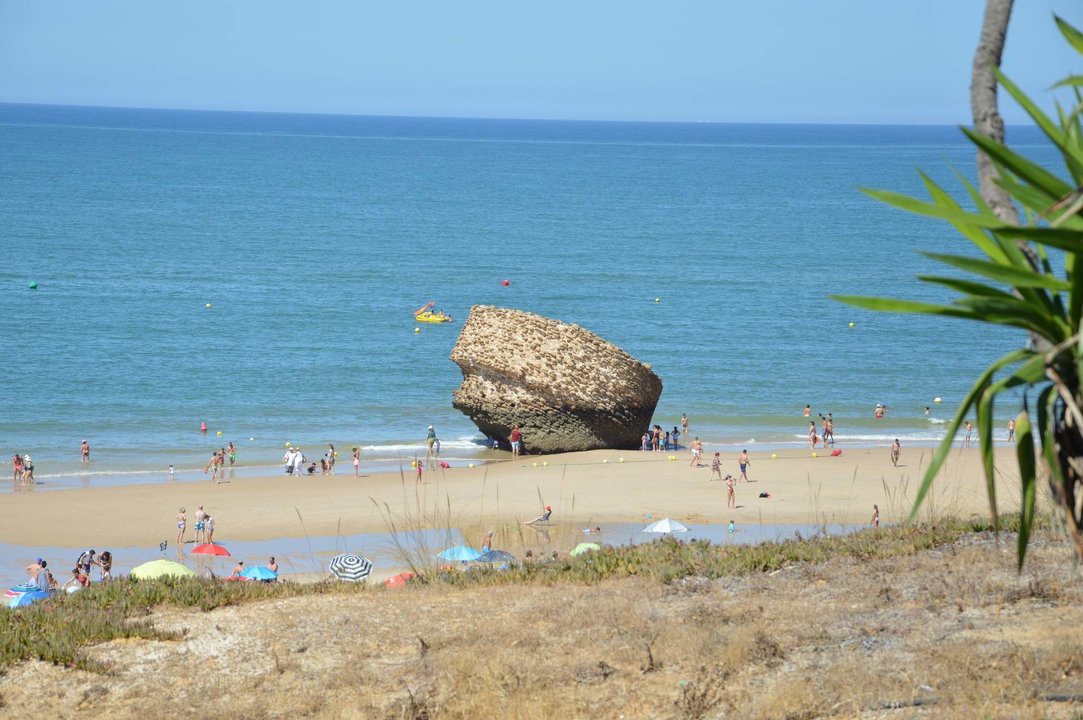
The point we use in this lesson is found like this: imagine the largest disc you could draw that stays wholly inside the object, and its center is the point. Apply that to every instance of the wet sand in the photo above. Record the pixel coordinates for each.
(585, 489)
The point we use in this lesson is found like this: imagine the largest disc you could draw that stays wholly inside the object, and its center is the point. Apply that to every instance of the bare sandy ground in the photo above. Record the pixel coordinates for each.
(591, 488)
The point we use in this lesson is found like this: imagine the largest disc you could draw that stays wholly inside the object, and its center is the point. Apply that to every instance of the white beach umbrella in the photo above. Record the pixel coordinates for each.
(665, 525)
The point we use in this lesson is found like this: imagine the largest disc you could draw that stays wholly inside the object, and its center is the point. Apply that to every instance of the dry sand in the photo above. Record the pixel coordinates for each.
(590, 488)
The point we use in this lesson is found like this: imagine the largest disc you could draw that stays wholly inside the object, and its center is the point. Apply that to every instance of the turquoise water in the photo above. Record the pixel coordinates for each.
(315, 237)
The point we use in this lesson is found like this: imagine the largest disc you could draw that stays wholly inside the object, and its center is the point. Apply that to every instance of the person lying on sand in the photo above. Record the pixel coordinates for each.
(543, 518)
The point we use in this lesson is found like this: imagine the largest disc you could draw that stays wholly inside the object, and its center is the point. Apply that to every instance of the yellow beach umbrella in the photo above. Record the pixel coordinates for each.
(160, 568)
(585, 547)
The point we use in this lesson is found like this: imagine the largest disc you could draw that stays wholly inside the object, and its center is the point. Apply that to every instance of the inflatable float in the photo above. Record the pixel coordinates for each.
(428, 317)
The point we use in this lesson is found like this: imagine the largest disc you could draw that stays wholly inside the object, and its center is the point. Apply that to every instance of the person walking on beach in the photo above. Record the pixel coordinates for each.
(28, 470)
(516, 440)
(697, 450)
(84, 452)
(896, 450)
(875, 522)
(744, 463)
(684, 424)
(201, 524)
(731, 492)
(330, 458)
(356, 462)
(716, 466)
(182, 524)
(430, 440)
(812, 439)
(1011, 430)
(420, 467)
(969, 430)
(231, 450)
(17, 467)
(212, 467)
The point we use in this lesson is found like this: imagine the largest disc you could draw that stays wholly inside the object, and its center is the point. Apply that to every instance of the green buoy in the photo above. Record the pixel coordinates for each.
(33, 285)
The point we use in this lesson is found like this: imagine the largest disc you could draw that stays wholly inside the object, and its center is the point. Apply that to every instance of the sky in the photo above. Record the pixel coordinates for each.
(813, 61)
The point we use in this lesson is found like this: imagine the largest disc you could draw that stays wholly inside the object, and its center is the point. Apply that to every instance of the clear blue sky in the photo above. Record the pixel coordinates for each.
(868, 61)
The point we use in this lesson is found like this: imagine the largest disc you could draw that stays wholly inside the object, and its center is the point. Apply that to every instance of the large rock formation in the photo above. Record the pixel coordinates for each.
(566, 388)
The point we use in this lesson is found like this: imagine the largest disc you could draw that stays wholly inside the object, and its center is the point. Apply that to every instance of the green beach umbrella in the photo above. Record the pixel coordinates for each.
(582, 548)
(160, 568)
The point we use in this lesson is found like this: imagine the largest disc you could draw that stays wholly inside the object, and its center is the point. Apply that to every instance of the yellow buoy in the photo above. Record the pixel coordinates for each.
(813, 454)
(219, 433)
(208, 306)
(417, 330)
(470, 465)
(774, 455)
(287, 444)
(620, 460)
(605, 460)
(545, 463)
(936, 400)
(658, 299)
(413, 465)
(851, 325)
(534, 464)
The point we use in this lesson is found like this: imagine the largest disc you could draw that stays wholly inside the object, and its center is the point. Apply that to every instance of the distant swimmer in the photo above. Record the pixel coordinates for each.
(926, 411)
(808, 411)
(203, 427)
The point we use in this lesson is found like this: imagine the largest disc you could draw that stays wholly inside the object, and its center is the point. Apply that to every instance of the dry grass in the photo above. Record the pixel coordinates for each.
(846, 636)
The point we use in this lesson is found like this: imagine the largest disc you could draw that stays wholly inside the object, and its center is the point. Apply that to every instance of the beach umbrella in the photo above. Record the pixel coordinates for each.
(460, 553)
(665, 525)
(400, 580)
(496, 556)
(27, 598)
(160, 568)
(210, 549)
(17, 590)
(583, 548)
(260, 572)
(348, 566)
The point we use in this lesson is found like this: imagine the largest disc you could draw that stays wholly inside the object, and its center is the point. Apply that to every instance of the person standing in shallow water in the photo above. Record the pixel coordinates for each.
(84, 452)
(356, 462)
(516, 440)
(684, 425)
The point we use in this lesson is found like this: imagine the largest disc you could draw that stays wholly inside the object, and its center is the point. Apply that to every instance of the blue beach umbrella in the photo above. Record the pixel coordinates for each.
(27, 598)
(460, 553)
(17, 590)
(260, 572)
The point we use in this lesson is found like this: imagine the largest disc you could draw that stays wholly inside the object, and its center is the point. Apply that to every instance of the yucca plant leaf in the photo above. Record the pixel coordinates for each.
(953, 427)
(1015, 276)
(1060, 238)
(1072, 157)
(1073, 36)
(1024, 452)
(968, 287)
(1031, 173)
(970, 231)
(1070, 81)
(986, 397)
(921, 207)
(902, 306)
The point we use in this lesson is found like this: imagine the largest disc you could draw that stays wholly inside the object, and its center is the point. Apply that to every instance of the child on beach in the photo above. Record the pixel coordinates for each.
(420, 466)
(731, 495)
(105, 561)
(716, 466)
(356, 461)
(172, 472)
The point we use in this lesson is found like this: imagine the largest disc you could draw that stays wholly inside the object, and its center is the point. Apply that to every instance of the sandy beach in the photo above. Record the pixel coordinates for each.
(584, 489)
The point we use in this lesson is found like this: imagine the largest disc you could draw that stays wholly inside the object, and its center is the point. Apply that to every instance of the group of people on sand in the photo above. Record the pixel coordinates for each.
(238, 570)
(657, 440)
(297, 463)
(216, 468)
(204, 527)
(22, 469)
(43, 578)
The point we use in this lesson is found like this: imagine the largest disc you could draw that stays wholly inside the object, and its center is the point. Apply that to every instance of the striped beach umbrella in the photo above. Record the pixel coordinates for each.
(350, 567)
(17, 590)
(665, 526)
(27, 598)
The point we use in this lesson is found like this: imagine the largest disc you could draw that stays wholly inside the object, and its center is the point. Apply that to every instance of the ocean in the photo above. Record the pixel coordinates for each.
(259, 272)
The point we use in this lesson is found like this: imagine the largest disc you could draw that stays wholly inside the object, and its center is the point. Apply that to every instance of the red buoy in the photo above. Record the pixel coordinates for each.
(506, 283)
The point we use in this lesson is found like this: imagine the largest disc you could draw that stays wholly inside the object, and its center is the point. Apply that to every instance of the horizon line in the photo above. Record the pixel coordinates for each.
(856, 123)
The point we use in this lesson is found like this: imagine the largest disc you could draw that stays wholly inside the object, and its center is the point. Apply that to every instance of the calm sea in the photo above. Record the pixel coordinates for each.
(313, 238)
